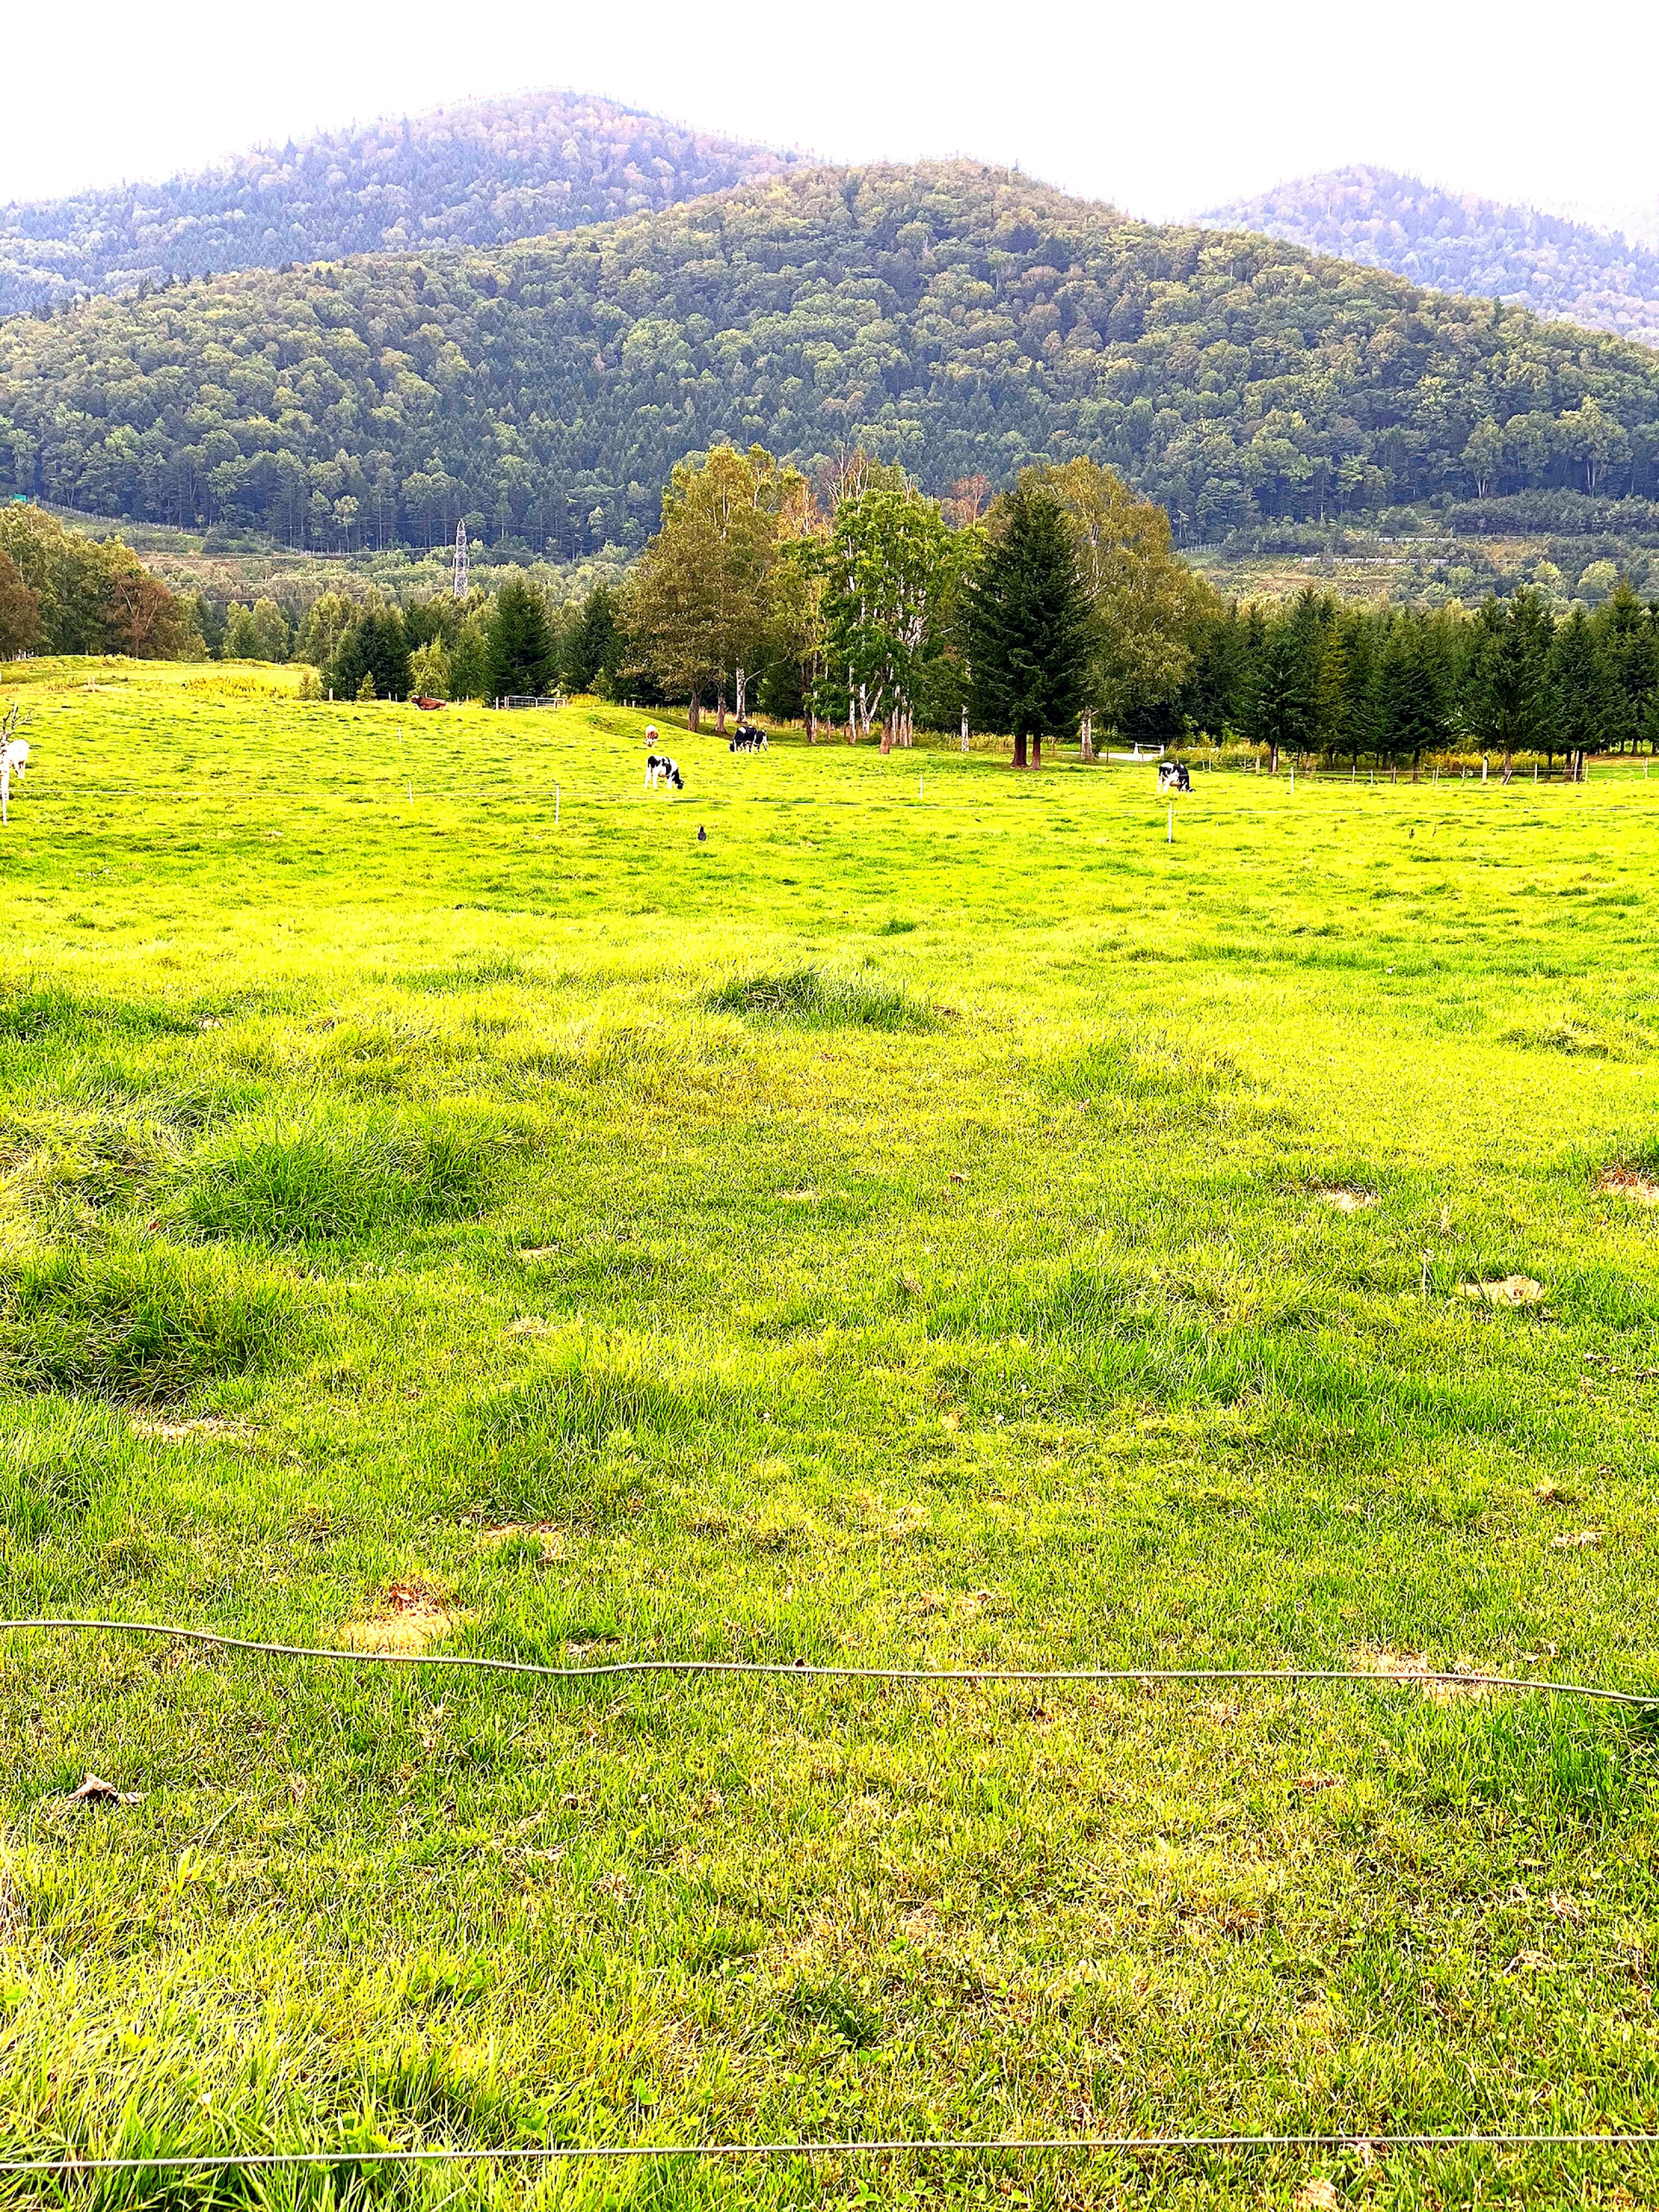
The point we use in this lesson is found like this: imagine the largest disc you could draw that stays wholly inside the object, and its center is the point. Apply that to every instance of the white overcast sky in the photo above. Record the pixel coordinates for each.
(1163, 109)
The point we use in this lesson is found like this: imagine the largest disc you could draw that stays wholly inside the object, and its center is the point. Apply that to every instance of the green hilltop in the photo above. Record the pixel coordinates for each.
(960, 319)
(474, 174)
(1457, 242)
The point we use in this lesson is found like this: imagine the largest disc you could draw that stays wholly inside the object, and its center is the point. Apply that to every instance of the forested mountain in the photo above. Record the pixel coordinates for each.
(472, 175)
(958, 318)
(1453, 242)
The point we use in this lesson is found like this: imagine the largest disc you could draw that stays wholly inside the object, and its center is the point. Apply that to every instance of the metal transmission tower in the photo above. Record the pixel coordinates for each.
(460, 560)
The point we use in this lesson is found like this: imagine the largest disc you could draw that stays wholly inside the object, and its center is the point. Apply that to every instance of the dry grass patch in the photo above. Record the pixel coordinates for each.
(209, 1426)
(1345, 1197)
(1416, 1669)
(546, 1533)
(1506, 1290)
(409, 1617)
(1629, 1183)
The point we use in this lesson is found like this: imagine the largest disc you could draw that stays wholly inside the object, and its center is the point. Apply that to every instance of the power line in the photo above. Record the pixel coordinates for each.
(807, 1670)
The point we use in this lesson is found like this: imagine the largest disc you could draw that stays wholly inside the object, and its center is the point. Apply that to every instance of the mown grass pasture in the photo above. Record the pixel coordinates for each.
(934, 1220)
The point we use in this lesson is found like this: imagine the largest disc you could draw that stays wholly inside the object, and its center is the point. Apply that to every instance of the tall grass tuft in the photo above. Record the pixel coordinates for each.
(811, 998)
(51, 1473)
(301, 1180)
(136, 1319)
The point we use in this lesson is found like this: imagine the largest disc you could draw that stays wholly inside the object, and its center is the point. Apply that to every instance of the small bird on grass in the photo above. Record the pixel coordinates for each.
(702, 835)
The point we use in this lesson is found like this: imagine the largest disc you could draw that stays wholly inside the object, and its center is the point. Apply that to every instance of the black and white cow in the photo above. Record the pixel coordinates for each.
(748, 737)
(1172, 776)
(660, 769)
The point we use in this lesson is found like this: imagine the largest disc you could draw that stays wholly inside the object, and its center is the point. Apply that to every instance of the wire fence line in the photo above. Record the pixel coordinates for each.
(70, 2164)
(809, 1670)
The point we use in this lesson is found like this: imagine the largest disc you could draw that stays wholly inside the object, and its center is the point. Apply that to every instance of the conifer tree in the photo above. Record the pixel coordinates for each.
(1029, 624)
(520, 642)
(1282, 709)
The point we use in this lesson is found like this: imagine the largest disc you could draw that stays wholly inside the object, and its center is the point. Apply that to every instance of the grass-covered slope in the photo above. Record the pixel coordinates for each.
(901, 1227)
(1457, 242)
(472, 174)
(962, 318)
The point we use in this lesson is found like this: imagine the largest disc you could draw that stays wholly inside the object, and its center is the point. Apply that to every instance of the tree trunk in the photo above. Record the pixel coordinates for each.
(1088, 737)
(1037, 751)
(720, 710)
(965, 729)
(742, 689)
(1020, 760)
(1273, 760)
(694, 714)
(811, 727)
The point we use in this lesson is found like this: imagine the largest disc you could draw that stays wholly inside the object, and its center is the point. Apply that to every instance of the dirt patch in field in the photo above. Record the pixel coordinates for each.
(409, 1617)
(1506, 1290)
(546, 1533)
(1416, 1668)
(1345, 1197)
(209, 1427)
(1629, 1183)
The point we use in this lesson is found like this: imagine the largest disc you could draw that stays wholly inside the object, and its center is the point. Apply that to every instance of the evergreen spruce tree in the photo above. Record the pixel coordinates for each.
(372, 647)
(1588, 696)
(1282, 710)
(593, 649)
(1029, 625)
(1413, 694)
(521, 648)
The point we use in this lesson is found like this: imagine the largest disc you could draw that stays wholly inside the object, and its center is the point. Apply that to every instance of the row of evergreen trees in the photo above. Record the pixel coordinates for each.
(485, 646)
(1393, 686)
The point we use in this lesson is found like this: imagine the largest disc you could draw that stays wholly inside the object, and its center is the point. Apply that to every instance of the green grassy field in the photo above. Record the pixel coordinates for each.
(904, 1227)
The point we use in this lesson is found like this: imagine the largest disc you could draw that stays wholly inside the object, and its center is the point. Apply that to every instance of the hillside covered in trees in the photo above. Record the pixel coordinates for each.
(1453, 242)
(960, 320)
(475, 174)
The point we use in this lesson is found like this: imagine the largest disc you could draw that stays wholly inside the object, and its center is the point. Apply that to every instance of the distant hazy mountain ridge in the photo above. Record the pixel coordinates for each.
(1453, 242)
(478, 175)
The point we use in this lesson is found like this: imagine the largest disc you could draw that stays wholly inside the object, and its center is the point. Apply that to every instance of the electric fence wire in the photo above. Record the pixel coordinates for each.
(802, 1670)
(69, 2164)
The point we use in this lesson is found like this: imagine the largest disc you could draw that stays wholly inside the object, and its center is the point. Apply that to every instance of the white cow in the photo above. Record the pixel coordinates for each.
(14, 759)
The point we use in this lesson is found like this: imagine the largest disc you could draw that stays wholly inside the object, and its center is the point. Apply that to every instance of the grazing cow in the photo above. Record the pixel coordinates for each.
(1172, 776)
(659, 767)
(429, 705)
(749, 737)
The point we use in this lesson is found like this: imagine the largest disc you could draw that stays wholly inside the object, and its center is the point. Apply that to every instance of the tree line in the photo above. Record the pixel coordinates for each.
(945, 316)
(487, 646)
(1062, 611)
(850, 600)
(63, 591)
